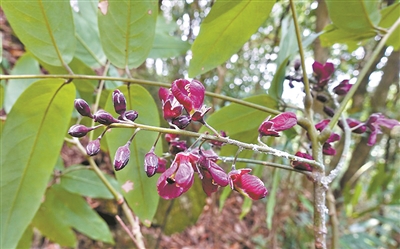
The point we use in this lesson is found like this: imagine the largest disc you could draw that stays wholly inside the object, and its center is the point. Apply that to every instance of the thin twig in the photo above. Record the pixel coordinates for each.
(129, 232)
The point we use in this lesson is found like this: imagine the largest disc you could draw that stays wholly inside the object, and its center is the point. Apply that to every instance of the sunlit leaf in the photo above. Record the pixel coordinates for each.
(88, 46)
(62, 211)
(224, 31)
(357, 16)
(26, 64)
(127, 31)
(83, 181)
(389, 17)
(143, 199)
(46, 28)
(31, 142)
(166, 45)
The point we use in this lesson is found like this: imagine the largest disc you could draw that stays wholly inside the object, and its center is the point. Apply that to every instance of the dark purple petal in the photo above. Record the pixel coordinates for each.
(361, 127)
(198, 115)
(171, 109)
(333, 138)
(321, 125)
(121, 158)
(247, 184)
(162, 165)
(150, 163)
(218, 174)
(182, 121)
(93, 147)
(79, 130)
(83, 108)
(207, 183)
(327, 149)
(129, 115)
(119, 102)
(372, 138)
(343, 88)
(104, 117)
(302, 165)
(329, 111)
(281, 122)
(177, 146)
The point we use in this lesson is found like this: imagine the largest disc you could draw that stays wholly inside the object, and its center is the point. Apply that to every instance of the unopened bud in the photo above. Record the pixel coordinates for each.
(119, 102)
(122, 157)
(129, 115)
(93, 147)
(83, 108)
(297, 64)
(79, 130)
(150, 163)
(322, 98)
(329, 111)
(104, 117)
(182, 121)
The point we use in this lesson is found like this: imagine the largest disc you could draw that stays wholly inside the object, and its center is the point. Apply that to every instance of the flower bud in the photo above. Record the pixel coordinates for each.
(297, 64)
(182, 121)
(104, 117)
(122, 157)
(129, 115)
(119, 102)
(322, 98)
(329, 111)
(83, 108)
(79, 130)
(93, 147)
(343, 87)
(150, 163)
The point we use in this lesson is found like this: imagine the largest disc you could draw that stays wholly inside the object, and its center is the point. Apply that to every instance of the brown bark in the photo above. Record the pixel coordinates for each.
(321, 54)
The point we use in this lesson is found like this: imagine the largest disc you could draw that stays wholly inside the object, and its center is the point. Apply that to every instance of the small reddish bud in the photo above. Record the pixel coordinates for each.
(150, 163)
(122, 157)
(79, 130)
(281, 122)
(129, 115)
(182, 121)
(83, 108)
(343, 87)
(249, 185)
(302, 165)
(119, 102)
(104, 117)
(329, 111)
(93, 147)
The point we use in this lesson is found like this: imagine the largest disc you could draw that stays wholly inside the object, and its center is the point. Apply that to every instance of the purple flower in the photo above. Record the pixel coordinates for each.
(281, 122)
(191, 96)
(246, 184)
(170, 106)
(343, 87)
(179, 177)
(93, 147)
(122, 155)
(302, 165)
(327, 148)
(323, 73)
(150, 163)
(177, 146)
(182, 121)
(119, 102)
(353, 123)
(83, 108)
(211, 174)
(162, 165)
(104, 117)
(374, 123)
(79, 130)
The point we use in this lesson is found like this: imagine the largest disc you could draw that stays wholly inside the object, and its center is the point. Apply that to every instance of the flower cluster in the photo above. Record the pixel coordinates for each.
(104, 118)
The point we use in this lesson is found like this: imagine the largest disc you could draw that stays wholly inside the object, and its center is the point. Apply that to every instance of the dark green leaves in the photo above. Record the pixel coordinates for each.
(139, 190)
(31, 141)
(224, 31)
(127, 31)
(45, 27)
(62, 211)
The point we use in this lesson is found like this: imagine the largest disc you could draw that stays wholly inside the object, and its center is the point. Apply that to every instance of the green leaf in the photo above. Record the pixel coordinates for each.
(334, 35)
(26, 64)
(127, 31)
(357, 16)
(62, 211)
(271, 201)
(26, 241)
(236, 118)
(224, 31)
(46, 28)
(85, 87)
(31, 141)
(83, 181)
(143, 199)
(276, 88)
(88, 47)
(166, 45)
(389, 17)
